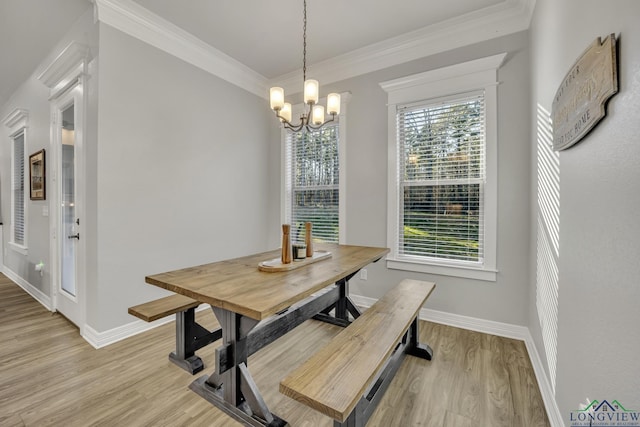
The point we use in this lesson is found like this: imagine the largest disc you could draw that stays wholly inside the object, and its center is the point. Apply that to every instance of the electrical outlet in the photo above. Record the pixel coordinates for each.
(363, 274)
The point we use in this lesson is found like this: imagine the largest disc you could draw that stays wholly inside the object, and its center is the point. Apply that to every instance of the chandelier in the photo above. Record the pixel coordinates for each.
(313, 117)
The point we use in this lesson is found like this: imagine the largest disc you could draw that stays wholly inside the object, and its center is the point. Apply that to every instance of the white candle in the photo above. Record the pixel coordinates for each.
(311, 91)
(285, 113)
(276, 98)
(318, 114)
(333, 103)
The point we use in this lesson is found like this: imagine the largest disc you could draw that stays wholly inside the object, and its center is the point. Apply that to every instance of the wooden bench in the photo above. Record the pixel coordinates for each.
(347, 378)
(190, 336)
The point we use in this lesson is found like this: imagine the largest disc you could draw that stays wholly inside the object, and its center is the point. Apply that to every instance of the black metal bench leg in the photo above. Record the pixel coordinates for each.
(190, 337)
(415, 348)
(184, 356)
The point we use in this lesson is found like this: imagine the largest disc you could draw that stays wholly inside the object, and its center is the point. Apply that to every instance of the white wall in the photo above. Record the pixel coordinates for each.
(598, 340)
(182, 172)
(366, 167)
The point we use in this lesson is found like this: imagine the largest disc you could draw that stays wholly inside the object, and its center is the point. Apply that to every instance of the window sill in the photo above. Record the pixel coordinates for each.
(18, 248)
(485, 274)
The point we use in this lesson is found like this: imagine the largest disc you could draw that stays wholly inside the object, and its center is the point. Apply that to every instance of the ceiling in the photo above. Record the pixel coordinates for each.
(29, 29)
(266, 36)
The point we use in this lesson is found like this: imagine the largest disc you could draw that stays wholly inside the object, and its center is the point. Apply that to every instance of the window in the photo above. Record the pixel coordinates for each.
(441, 164)
(443, 170)
(17, 191)
(314, 189)
(314, 180)
(16, 121)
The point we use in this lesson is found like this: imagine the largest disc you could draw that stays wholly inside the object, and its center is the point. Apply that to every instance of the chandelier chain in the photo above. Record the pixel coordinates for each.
(304, 43)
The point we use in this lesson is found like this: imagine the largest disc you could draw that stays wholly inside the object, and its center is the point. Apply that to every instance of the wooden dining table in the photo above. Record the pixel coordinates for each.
(255, 308)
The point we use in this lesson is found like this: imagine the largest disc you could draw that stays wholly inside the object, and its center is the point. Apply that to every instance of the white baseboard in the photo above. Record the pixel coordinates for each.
(36, 293)
(548, 397)
(506, 330)
(102, 339)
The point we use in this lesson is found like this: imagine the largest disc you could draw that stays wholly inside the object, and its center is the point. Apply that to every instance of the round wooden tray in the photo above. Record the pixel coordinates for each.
(276, 264)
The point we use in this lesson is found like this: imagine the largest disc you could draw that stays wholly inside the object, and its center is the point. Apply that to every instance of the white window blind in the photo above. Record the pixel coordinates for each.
(17, 186)
(442, 177)
(312, 160)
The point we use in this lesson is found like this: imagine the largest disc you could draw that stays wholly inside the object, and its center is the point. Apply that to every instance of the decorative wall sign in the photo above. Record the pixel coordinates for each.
(37, 174)
(580, 101)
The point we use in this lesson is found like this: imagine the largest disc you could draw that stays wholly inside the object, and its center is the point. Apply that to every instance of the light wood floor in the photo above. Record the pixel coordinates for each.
(49, 376)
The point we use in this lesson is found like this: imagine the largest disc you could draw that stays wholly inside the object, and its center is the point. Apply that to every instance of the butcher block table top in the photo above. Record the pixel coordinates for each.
(239, 286)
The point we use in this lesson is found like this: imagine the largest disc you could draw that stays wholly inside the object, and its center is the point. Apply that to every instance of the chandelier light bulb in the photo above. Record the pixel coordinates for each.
(285, 113)
(276, 98)
(333, 103)
(311, 89)
(318, 115)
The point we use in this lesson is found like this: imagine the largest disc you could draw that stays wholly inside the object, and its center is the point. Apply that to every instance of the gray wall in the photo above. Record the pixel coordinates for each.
(182, 172)
(598, 340)
(366, 166)
(33, 96)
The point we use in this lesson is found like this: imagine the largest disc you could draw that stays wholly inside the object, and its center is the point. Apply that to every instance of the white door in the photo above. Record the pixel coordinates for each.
(67, 206)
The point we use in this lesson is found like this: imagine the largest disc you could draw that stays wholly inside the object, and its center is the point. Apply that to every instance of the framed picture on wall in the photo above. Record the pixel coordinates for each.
(37, 175)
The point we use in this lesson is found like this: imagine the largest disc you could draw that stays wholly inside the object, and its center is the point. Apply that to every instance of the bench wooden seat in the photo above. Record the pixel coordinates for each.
(346, 379)
(190, 336)
(163, 307)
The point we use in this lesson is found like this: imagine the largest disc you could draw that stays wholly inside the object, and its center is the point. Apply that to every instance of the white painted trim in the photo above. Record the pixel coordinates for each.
(466, 77)
(548, 396)
(438, 82)
(345, 97)
(505, 18)
(499, 20)
(506, 330)
(18, 123)
(70, 90)
(487, 275)
(36, 293)
(136, 21)
(65, 68)
(21, 249)
(16, 120)
(102, 339)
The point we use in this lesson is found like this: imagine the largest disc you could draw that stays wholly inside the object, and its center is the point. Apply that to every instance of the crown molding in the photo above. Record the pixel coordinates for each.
(508, 17)
(17, 116)
(68, 61)
(136, 21)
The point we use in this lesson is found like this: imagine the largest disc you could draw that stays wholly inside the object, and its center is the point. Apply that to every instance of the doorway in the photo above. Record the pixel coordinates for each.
(67, 203)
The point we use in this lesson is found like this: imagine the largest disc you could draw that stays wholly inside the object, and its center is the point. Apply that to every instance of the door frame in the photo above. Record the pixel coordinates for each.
(67, 75)
(74, 95)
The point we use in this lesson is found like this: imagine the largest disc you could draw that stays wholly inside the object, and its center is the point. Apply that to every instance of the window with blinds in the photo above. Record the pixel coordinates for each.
(441, 177)
(312, 159)
(17, 187)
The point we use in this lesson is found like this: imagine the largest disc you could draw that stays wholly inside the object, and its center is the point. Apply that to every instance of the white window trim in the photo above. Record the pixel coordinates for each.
(17, 121)
(479, 74)
(285, 174)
